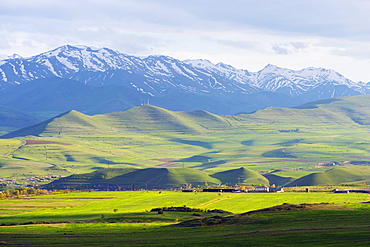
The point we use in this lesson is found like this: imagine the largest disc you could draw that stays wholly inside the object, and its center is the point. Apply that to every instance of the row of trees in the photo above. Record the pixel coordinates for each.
(25, 191)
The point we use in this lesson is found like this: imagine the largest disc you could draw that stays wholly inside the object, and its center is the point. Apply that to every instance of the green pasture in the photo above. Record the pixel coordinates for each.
(264, 152)
(295, 139)
(304, 228)
(122, 219)
(84, 206)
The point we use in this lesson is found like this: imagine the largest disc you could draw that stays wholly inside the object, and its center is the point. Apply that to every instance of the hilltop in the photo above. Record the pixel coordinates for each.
(153, 119)
(130, 178)
(338, 175)
(146, 118)
(241, 176)
(71, 122)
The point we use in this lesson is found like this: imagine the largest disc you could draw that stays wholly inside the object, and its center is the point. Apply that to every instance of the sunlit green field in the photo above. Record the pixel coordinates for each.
(80, 206)
(123, 219)
(262, 150)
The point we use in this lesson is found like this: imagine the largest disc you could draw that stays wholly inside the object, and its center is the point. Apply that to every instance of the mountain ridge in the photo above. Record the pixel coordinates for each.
(71, 59)
(218, 88)
(148, 118)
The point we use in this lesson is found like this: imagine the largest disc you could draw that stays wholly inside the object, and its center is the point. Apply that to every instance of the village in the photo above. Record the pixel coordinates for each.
(27, 181)
(242, 189)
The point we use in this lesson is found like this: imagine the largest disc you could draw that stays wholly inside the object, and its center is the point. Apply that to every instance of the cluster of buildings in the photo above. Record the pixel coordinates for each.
(352, 190)
(27, 181)
(243, 189)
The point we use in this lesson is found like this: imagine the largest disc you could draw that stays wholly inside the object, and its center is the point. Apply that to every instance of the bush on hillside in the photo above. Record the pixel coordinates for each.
(187, 209)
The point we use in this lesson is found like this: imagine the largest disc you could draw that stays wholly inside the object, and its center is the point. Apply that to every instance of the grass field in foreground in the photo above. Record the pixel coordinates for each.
(129, 205)
(328, 225)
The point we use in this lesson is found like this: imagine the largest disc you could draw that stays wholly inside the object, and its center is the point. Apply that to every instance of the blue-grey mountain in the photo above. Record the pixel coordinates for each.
(102, 80)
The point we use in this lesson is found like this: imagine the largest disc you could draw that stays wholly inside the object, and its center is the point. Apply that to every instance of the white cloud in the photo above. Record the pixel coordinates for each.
(289, 47)
(244, 33)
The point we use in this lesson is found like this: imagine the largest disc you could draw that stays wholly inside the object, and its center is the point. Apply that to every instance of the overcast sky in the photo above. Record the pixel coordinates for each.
(247, 34)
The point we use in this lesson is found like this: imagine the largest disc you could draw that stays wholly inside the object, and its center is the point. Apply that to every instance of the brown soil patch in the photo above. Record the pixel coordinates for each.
(36, 142)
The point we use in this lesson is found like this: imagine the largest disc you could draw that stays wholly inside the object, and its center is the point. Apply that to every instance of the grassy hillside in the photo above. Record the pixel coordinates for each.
(355, 108)
(206, 120)
(278, 180)
(169, 178)
(296, 141)
(150, 119)
(131, 178)
(338, 175)
(146, 118)
(241, 176)
(69, 123)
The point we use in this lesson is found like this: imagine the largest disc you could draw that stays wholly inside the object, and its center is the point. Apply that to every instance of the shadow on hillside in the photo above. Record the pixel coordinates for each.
(210, 165)
(278, 180)
(102, 160)
(196, 158)
(289, 143)
(313, 105)
(278, 153)
(193, 143)
(247, 143)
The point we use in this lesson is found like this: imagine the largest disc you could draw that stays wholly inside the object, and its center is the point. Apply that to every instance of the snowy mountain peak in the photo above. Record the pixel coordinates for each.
(225, 66)
(270, 68)
(157, 73)
(200, 63)
(15, 56)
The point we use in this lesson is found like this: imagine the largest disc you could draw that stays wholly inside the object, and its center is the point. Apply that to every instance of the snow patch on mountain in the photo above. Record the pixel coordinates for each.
(154, 75)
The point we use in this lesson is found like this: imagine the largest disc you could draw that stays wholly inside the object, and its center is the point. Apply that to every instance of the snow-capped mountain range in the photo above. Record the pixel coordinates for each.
(163, 78)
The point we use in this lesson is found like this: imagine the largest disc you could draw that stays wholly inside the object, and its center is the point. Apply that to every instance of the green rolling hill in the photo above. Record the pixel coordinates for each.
(278, 180)
(346, 111)
(293, 139)
(70, 123)
(131, 178)
(241, 176)
(145, 119)
(335, 176)
(338, 111)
